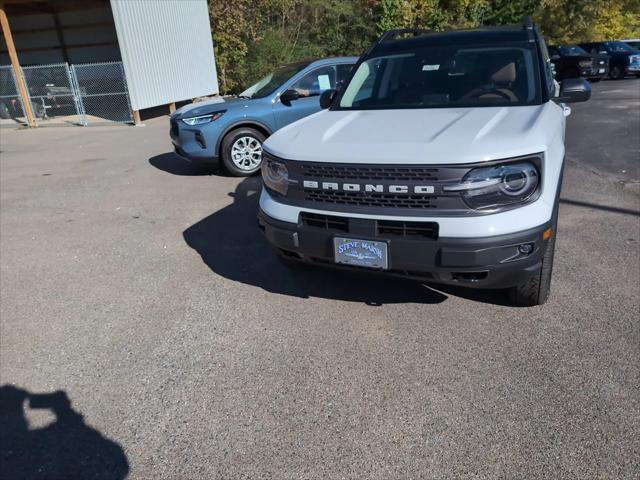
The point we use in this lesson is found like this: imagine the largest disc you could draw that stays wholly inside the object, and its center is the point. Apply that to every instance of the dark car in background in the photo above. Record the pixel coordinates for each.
(623, 58)
(571, 61)
(632, 42)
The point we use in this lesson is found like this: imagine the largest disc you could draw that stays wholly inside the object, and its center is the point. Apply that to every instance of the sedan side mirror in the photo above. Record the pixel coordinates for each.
(289, 96)
(574, 90)
(327, 98)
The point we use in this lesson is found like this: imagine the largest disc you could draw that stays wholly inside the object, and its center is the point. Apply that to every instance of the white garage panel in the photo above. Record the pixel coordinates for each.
(167, 50)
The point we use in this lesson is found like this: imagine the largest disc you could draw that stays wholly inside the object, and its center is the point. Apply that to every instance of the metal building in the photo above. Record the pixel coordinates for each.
(90, 55)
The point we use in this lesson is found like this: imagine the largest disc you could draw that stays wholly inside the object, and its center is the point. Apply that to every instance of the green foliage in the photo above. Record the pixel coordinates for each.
(581, 20)
(388, 15)
(251, 37)
(504, 12)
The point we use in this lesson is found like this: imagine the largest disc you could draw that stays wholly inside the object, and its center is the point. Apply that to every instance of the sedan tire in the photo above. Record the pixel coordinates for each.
(242, 151)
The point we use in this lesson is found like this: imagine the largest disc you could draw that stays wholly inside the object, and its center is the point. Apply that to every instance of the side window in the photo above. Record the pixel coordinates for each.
(316, 81)
(343, 71)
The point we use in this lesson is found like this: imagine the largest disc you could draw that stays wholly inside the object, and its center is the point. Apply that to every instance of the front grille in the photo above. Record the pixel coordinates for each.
(370, 188)
(371, 199)
(369, 172)
(174, 127)
(327, 222)
(408, 229)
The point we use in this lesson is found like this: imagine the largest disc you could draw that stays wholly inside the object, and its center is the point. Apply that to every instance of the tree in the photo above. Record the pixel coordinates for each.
(252, 37)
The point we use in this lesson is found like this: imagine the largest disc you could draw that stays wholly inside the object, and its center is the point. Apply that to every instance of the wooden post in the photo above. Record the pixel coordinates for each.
(136, 117)
(172, 107)
(11, 48)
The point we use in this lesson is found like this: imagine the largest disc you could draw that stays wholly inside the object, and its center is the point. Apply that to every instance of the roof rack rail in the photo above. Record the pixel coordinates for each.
(392, 34)
(528, 25)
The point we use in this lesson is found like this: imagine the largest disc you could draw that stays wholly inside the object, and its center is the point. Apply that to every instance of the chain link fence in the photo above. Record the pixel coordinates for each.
(51, 92)
(102, 92)
(79, 94)
(10, 100)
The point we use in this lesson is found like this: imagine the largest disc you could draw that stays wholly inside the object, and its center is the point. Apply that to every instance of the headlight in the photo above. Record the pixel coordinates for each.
(202, 119)
(499, 185)
(275, 174)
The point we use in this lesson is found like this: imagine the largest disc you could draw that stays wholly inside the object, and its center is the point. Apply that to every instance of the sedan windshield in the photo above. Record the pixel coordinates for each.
(572, 50)
(451, 76)
(269, 83)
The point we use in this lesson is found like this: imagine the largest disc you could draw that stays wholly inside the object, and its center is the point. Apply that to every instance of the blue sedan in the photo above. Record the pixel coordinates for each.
(232, 129)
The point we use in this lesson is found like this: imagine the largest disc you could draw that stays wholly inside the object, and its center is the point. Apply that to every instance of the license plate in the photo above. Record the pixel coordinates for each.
(601, 70)
(362, 253)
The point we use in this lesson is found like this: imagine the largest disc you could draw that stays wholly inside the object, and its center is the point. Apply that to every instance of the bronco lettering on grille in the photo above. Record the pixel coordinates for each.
(368, 187)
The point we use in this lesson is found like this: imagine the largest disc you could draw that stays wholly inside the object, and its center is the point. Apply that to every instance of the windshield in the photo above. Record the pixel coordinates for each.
(269, 83)
(450, 76)
(572, 50)
(617, 47)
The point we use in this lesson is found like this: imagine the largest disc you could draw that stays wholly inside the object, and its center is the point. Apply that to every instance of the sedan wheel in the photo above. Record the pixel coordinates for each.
(242, 151)
(246, 153)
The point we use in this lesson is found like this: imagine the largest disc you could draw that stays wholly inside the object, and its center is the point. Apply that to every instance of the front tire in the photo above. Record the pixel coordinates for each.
(535, 290)
(242, 151)
(616, 72)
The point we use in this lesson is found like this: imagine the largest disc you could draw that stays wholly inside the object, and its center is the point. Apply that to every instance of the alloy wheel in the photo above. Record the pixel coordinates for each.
(246, 153)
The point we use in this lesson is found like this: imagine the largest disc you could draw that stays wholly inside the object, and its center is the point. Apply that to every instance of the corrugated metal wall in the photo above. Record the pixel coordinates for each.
(167, 50)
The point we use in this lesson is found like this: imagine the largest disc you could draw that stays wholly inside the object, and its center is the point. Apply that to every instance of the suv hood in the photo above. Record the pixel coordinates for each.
(624, 55)
(213, 105)
(419, 136)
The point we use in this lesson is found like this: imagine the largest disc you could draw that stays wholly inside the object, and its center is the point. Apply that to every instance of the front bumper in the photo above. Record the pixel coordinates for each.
(633, 68)
(595, 73)
(194, 144)
(487, 262)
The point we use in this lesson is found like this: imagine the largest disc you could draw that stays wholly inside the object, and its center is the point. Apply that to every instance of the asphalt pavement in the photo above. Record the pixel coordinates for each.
(148, 332)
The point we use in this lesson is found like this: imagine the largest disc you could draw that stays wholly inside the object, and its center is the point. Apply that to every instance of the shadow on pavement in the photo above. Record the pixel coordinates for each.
(171, 163)
(66, 448)
(231, 244)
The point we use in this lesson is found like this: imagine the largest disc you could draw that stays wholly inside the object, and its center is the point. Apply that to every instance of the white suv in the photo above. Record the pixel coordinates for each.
(440, 159)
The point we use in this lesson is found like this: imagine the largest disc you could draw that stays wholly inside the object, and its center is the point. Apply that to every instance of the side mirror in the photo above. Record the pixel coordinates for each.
(327, 98)
(574, 90)
(289, 96)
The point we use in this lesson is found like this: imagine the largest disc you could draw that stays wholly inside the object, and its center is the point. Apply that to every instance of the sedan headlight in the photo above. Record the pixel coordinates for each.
(275, 174)
(202, 119)
(496, 186)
